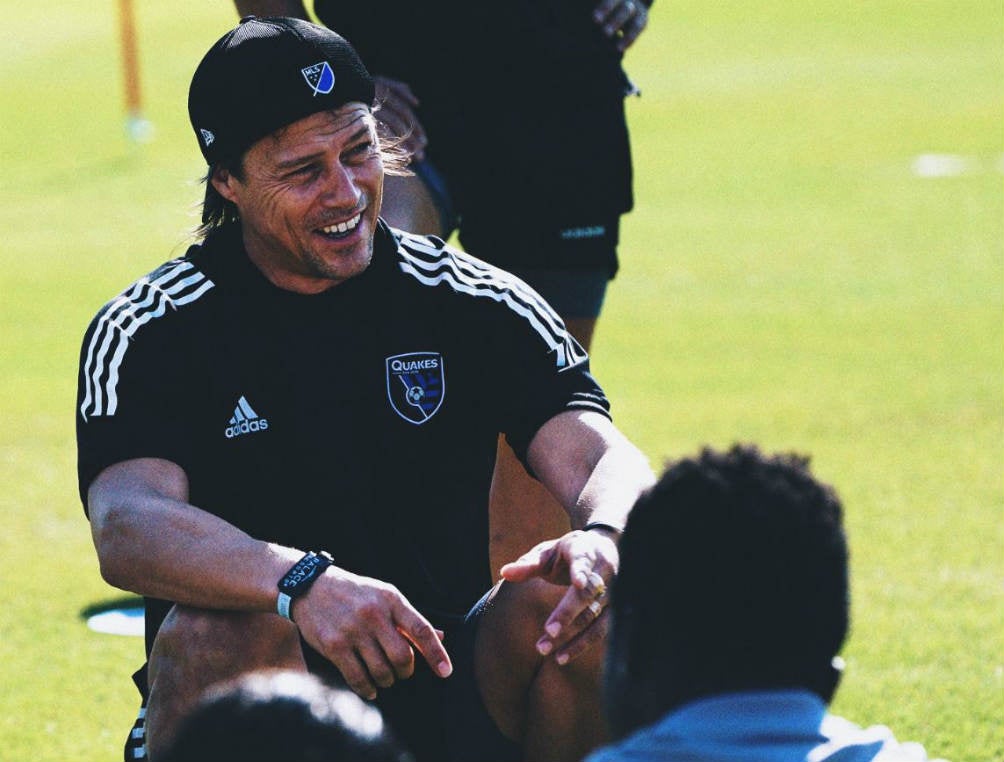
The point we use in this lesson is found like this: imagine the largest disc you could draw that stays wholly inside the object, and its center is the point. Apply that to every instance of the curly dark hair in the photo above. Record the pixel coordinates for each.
(733, 577)
(278, 715)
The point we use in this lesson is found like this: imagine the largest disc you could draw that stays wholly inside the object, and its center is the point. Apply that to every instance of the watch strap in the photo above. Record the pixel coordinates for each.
(282, 605)
(298, 580)
(603, 525)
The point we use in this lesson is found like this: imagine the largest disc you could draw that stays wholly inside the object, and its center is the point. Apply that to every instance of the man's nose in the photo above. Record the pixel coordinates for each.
(341, 188)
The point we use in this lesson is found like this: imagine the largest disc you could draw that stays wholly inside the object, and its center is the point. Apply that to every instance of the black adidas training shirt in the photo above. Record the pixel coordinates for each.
(362, 420)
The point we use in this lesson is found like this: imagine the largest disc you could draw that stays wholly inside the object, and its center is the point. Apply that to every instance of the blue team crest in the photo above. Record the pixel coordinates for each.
(416, 385)
(320, 77)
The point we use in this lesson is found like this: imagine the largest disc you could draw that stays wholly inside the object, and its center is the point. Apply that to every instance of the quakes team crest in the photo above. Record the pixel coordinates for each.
(416, 385)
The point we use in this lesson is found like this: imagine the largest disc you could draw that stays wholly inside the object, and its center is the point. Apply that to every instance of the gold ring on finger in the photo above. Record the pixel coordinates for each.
(597, 583)
(595, 607)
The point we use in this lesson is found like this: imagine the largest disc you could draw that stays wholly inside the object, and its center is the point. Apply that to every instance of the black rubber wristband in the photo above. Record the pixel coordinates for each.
(299, 578)
(602, 525)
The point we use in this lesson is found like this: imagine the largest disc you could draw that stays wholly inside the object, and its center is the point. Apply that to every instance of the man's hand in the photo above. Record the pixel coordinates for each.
(368, 630)
(397, 111)
(622, 20)
(585, 561)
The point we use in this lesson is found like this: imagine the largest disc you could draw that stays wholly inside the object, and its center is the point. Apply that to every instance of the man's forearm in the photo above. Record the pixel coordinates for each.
(618, 478)
(191, 557)
(150, 541)
(590, 467)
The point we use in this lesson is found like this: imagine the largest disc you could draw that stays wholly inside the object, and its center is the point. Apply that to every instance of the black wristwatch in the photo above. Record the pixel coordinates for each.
(605, 526)
(298, 580)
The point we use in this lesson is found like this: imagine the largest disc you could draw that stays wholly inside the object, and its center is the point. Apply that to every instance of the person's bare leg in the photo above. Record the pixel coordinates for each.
(196, 648)
(408, 205)
(521, 512)
(553, 712)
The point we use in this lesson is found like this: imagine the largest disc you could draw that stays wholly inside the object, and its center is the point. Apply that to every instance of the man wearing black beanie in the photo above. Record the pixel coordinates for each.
(286, 438)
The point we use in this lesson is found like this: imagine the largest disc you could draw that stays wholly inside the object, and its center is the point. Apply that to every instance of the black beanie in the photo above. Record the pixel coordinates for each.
(268, 73)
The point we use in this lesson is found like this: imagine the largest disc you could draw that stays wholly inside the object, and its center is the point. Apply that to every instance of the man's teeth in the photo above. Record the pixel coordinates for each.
(343, 227)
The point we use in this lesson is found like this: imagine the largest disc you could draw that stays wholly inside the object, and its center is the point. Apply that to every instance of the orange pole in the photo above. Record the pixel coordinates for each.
(130, 61)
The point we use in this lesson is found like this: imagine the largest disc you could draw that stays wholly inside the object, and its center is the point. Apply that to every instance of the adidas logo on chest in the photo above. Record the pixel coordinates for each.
(244, 421)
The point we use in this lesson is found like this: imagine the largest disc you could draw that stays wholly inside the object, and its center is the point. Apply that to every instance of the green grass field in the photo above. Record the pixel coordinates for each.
(787, 278)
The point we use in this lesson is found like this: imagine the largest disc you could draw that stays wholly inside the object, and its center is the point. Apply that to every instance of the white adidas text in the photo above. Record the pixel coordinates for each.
(246, 427)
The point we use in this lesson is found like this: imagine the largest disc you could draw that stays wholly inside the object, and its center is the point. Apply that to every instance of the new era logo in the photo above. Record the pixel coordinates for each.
(244, 420)
(207, 137)
(320, 77)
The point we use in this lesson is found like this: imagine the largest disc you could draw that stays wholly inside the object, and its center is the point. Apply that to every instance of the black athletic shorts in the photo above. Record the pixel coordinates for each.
(437, 720)
(570, 266)
(442, 720)
(585, 244)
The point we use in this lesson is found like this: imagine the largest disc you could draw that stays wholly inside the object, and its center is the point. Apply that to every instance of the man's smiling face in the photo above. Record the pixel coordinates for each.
(309, 198)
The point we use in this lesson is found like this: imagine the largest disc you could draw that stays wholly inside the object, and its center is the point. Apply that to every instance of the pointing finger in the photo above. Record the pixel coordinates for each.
(417, 629)
(537, 561)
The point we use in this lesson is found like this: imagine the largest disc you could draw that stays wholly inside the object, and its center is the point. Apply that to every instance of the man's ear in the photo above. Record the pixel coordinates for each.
(223, 181)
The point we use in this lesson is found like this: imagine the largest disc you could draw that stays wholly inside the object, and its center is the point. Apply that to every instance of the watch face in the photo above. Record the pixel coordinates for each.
(305, 571)
(302, 572)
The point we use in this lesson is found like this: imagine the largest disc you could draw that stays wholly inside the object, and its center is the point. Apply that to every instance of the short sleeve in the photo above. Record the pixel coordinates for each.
(130, 372)
(549, 370)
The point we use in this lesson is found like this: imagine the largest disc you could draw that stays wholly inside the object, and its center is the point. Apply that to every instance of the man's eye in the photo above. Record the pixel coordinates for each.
(303, 173)
(361, 149)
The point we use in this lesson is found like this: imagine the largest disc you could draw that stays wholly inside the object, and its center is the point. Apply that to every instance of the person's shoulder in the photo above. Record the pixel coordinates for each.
(166, 292)
(424, 251)
(432, 262)
(500, 297)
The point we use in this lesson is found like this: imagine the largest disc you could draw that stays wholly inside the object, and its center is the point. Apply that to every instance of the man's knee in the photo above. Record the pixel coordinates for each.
(533, 606)
(515, 616)
(224, 641)
(197, 648)
(512, 675)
